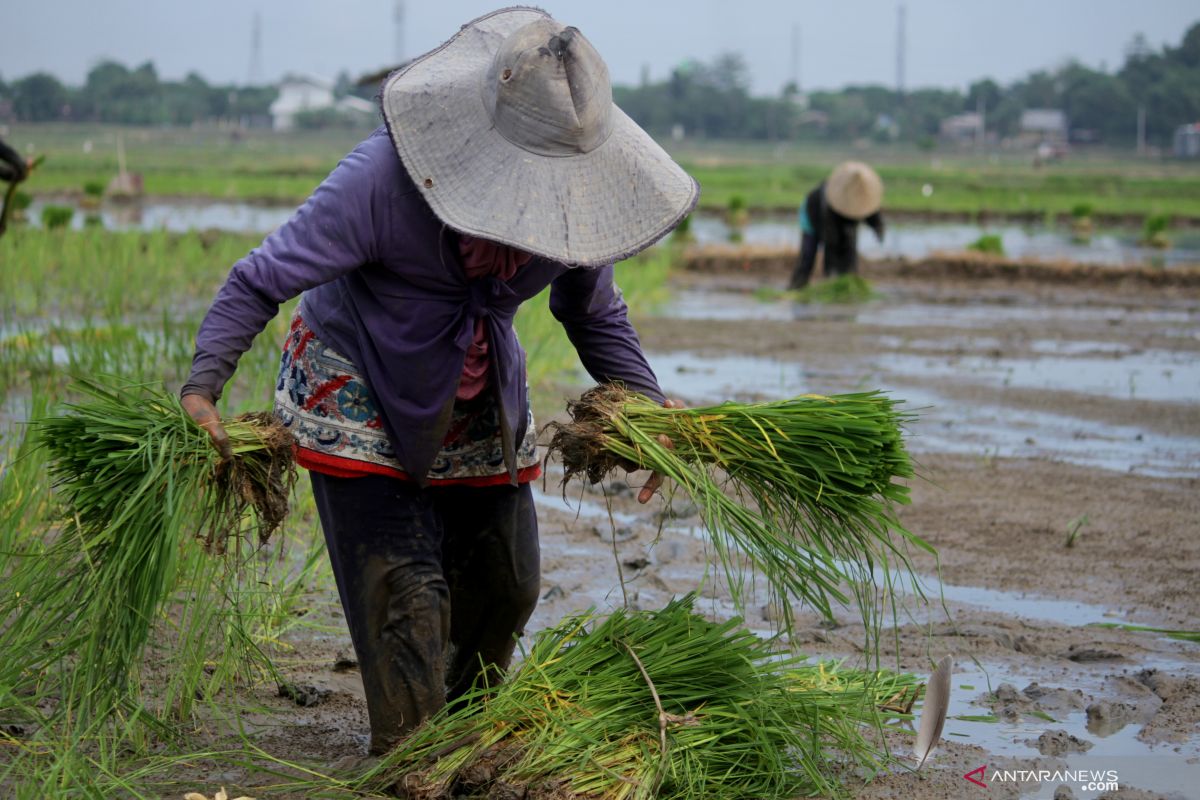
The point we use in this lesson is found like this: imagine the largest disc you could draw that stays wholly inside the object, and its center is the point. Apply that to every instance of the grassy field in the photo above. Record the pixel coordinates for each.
(260, 165)
(128, 305)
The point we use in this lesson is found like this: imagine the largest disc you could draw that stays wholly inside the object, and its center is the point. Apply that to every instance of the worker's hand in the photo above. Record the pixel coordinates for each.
(655, 480)
(205, 413)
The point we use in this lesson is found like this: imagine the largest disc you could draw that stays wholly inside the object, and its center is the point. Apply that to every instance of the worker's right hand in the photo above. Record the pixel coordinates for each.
(202, 410)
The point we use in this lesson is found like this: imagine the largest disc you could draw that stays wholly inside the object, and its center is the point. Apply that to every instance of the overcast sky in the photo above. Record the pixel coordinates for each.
(950, 42)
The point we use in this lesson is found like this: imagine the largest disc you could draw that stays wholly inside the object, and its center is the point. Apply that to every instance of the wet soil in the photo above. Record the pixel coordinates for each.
(1000, 498)
(1014, 465)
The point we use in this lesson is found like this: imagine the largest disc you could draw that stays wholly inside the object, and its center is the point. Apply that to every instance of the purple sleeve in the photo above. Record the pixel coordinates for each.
(330, 235)
(589, 305)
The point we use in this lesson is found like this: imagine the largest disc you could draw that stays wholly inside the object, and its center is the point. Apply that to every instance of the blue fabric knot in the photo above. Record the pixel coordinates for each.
(483, 295)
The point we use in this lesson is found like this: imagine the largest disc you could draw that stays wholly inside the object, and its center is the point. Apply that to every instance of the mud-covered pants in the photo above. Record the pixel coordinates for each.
(435, 583)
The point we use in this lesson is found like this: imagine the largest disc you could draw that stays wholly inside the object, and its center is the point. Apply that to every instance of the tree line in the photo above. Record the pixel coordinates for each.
(712, 100)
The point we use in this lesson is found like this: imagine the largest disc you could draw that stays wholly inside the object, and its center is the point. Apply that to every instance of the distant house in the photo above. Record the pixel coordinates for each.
(1187, 141)
(962, 128)
(299, 94)
(1040, 125)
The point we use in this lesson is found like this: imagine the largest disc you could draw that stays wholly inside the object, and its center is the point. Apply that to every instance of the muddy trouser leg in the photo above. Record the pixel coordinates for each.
(804, 264)
(385, 544)
(493, 566)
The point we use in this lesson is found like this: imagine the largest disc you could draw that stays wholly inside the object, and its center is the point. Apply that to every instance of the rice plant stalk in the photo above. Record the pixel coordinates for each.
(660, 704)
(137, 479)
(805, 488)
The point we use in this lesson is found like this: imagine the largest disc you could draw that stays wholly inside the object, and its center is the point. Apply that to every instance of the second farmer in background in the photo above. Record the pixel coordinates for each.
(852, 193)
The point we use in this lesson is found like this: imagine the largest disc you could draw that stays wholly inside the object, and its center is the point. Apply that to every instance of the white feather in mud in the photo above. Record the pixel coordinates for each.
(933, 711)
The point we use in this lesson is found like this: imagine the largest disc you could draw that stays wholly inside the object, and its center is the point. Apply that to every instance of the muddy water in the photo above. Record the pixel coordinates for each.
(967, 382)
(918, 240)
(910, 240)
(1005, 713)
(178, 216)
(1036, 407)
(947, 424)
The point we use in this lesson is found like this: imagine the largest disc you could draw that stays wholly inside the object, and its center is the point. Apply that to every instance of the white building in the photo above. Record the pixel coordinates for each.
(1187, 141)
(962, 128)
(1044, 125)
(299, 93)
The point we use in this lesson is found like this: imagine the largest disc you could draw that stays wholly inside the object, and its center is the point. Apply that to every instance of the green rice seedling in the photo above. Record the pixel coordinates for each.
(138, 480)
(55, 217)
(651, 704)
(844, 289)
(1170, 633)
(804, 488)
(989, 243)
(1154, 231)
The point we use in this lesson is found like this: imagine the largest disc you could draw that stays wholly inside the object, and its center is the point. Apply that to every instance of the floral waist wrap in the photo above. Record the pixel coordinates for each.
(321, 397)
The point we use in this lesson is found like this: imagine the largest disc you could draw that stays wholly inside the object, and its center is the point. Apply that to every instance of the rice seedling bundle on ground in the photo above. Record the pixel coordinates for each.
(804, 488)
(843, 289)
(661, 704)
(138, 480)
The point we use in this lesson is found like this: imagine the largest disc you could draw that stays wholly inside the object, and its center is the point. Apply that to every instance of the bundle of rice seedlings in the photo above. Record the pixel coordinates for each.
(660, 704)
(137, 477)
(804, 488)
(844, 289)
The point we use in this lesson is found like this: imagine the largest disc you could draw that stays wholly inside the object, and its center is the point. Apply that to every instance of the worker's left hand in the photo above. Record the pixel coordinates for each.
(655, 480)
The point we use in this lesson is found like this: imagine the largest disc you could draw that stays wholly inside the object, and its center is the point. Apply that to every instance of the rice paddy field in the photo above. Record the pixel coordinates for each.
(1055, 433)
(942, 184)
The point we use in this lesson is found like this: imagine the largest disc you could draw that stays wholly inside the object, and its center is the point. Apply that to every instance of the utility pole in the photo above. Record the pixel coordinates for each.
(1141, 131)
(980, 132)
(901, 48)
(254, 76)
(796, 56)
(398, 18)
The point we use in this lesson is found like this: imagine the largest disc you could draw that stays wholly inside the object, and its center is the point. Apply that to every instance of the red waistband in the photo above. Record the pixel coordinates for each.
(339, 467)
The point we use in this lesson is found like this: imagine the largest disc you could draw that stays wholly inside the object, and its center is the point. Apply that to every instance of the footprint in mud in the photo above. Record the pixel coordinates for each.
(1106, 718)
(1059, 743)
(1034, 700)
(304, 694)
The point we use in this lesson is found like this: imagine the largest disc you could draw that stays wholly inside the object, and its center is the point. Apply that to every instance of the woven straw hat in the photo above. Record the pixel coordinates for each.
(854, 190)
(510, 132)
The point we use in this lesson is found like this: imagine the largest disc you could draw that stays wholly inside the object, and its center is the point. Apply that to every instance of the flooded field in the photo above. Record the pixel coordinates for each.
(1041, 416)
(1057, 433)
(903, 239)
(919, 239)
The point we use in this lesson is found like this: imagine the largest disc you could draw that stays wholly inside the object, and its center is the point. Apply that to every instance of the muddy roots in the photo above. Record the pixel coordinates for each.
(260, 478)
(580, 443)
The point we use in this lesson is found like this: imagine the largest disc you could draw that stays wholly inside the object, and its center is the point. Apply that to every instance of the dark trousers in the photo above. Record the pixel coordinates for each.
(436, 584)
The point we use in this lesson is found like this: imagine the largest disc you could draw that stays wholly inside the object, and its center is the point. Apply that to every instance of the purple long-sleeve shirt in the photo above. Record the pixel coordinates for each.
(383, 284)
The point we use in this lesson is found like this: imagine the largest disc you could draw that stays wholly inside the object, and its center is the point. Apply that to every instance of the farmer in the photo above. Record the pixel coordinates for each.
(504, 168)
(830, 215)
(13, 170)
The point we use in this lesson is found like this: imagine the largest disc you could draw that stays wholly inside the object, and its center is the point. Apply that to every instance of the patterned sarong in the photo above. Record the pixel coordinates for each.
(327, 405)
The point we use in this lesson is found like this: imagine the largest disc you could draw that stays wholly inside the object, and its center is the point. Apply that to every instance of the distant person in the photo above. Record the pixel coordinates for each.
(12, 166)
(13, 170)
(830, 215)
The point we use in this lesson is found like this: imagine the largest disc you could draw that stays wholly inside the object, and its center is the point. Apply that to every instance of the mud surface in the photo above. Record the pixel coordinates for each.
(1058, 436)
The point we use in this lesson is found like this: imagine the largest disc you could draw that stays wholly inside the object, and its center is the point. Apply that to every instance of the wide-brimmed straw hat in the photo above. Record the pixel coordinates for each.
(510, 132)
(854, 190)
